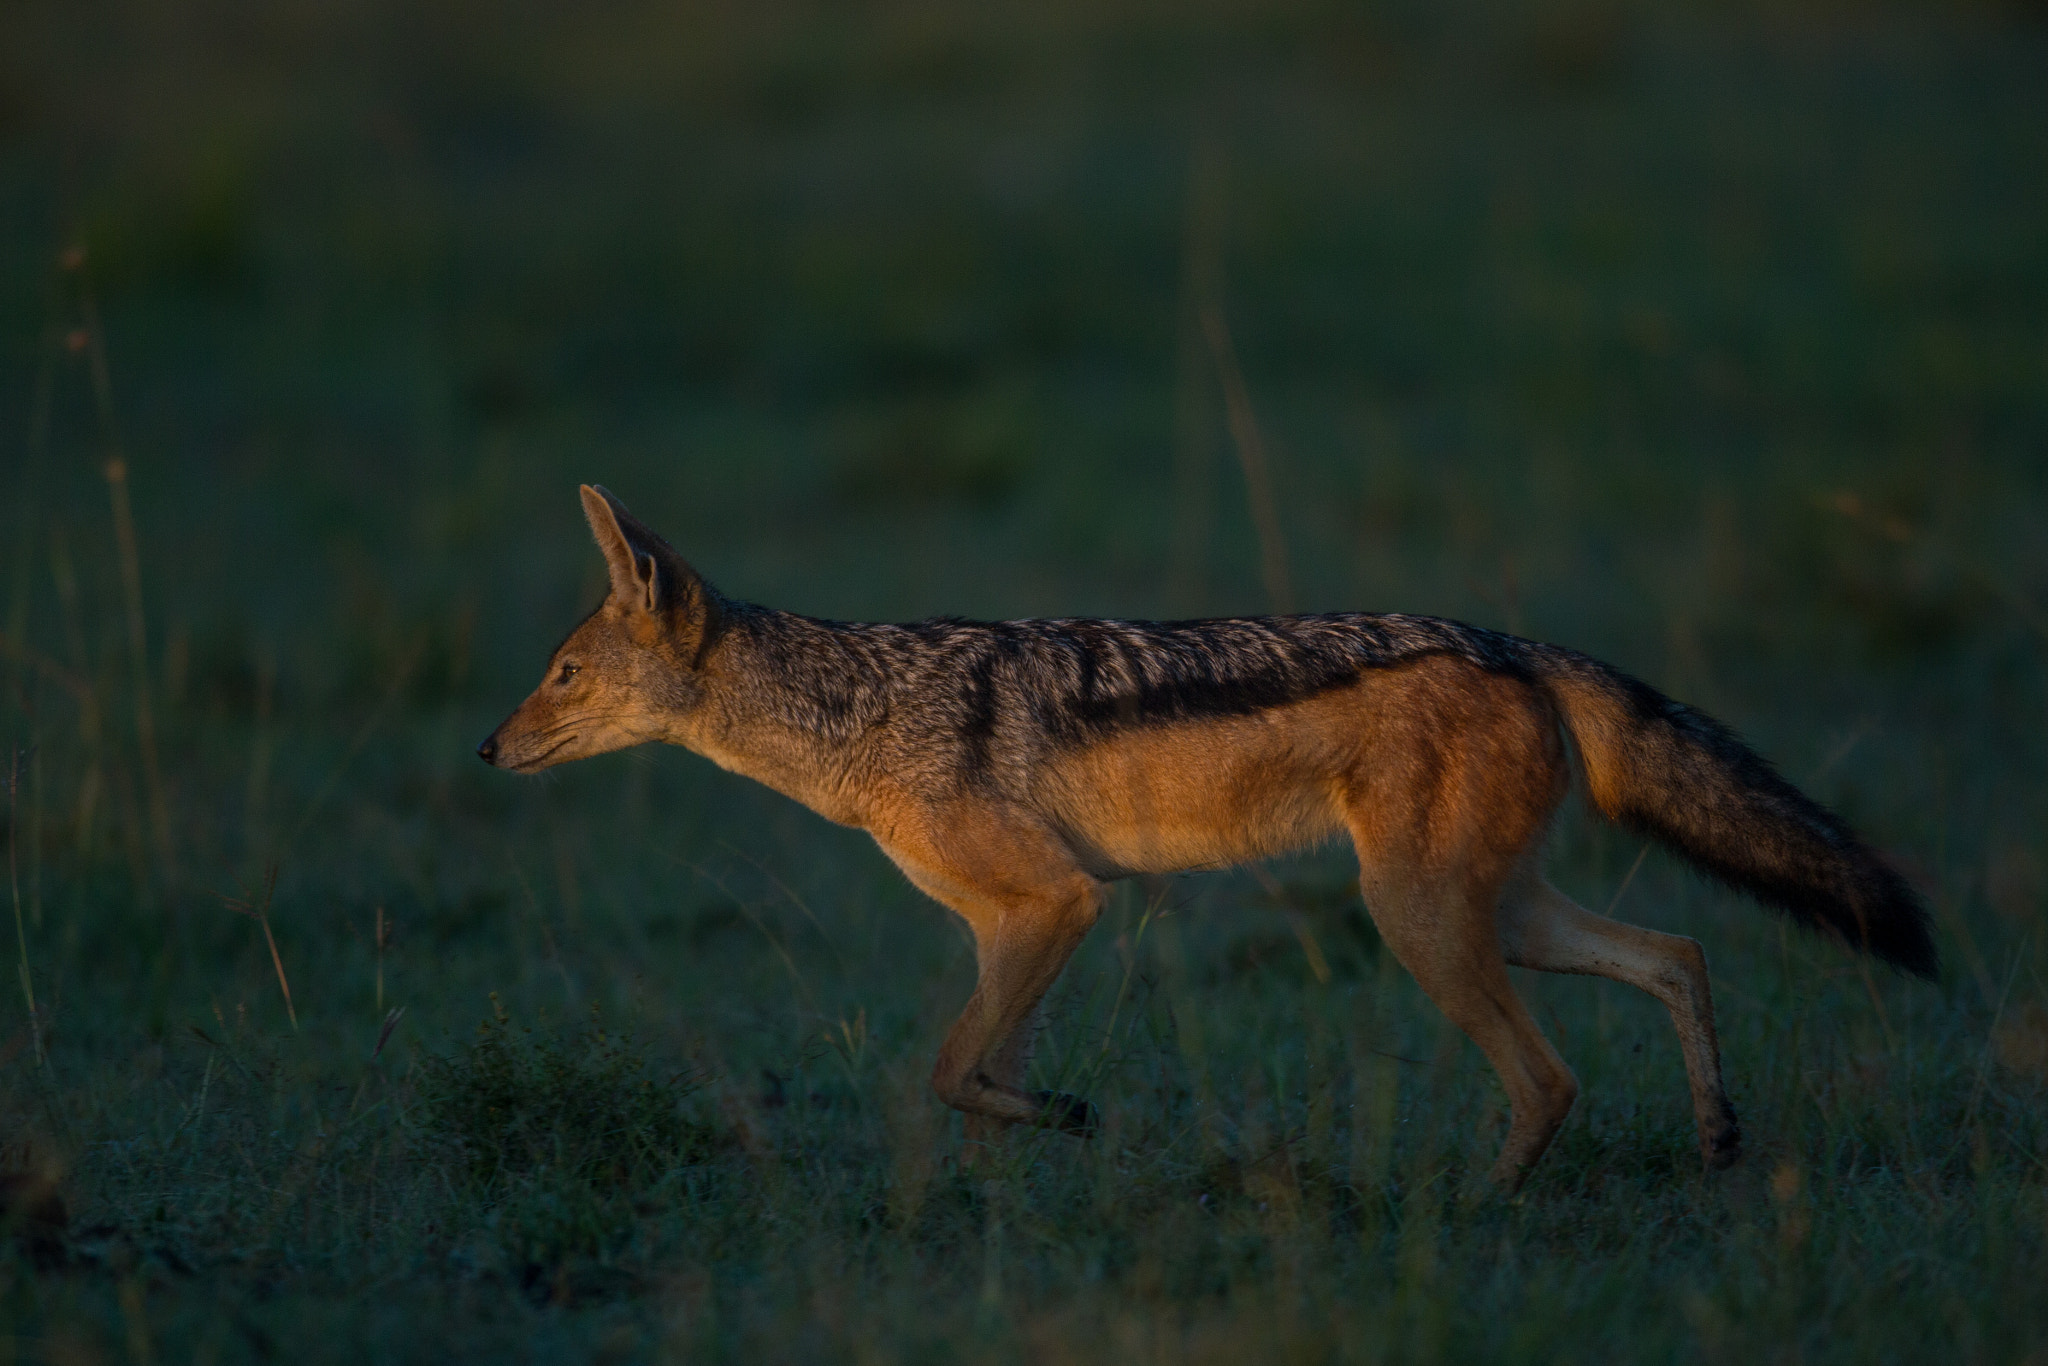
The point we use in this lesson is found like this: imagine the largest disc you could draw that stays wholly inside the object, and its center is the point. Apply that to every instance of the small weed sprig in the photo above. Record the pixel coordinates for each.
(558, 1135)
(577, 1102)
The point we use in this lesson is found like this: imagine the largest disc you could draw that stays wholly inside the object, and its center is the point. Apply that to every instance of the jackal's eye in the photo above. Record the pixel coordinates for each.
(569, 671)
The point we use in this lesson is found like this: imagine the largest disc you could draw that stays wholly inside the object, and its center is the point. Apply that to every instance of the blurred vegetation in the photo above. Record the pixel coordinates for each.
(1712, 339)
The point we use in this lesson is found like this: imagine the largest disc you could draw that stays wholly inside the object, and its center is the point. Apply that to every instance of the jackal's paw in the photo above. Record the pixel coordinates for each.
(1070, 1114)
(1722, 1148)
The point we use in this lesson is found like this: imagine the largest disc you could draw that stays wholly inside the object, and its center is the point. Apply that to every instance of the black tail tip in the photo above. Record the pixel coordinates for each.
(1903, 939)
(1920, 958)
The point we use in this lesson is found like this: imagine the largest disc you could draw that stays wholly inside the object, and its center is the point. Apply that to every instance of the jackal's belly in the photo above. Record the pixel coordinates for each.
(1202, 794)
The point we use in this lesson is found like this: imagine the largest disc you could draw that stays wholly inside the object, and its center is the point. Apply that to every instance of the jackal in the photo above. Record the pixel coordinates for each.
(1011, 769)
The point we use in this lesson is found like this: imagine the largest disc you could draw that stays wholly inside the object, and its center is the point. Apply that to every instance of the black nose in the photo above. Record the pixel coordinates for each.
(488, 751)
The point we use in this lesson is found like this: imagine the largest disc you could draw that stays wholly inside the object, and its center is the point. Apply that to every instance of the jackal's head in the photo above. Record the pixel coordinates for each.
(631, 670)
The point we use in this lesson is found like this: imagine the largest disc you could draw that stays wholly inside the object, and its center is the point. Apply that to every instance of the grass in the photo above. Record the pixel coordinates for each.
(1707, 340)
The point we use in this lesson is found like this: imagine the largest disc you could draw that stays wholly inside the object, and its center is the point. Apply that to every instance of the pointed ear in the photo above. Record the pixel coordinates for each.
(647, 575)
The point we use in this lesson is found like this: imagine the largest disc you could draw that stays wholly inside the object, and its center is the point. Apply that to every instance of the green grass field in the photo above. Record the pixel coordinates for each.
(1712, 340)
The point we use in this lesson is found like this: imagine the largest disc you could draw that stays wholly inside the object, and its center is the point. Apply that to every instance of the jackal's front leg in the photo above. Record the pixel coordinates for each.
(1018, 888)
(1007, 1069)
(1022, 949)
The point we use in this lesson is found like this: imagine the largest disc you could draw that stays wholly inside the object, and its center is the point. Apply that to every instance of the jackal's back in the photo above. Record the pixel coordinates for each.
(1003, 691)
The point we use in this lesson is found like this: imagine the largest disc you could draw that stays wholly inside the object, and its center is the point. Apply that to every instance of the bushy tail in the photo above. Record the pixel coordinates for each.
(1677, 775)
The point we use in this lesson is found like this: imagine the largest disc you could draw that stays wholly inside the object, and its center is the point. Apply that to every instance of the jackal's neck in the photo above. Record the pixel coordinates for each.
(786, 700)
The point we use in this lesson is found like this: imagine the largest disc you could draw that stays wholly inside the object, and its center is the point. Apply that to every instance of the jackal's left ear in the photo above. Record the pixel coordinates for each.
(647, 574)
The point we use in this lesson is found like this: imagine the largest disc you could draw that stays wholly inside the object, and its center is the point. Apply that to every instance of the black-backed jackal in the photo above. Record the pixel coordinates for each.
(1011, 769)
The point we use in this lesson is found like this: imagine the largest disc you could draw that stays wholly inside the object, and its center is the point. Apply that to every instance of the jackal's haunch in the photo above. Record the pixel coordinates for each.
(1012, 768)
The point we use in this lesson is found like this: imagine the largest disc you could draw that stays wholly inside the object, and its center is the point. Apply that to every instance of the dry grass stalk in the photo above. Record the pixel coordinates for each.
(1311, 947)
(391, 1019)
(91, 729)
(1251, 454)
(28, 990)
(116, 471)
(138, 650)
(259, 911)
(1193, 457)
(260, 749)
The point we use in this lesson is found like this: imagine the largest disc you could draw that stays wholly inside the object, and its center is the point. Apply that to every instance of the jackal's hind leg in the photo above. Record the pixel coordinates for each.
(1443, 935)
(1543, 928)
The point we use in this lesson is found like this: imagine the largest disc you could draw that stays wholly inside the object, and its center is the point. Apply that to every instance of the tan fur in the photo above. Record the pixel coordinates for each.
(1444, 777)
